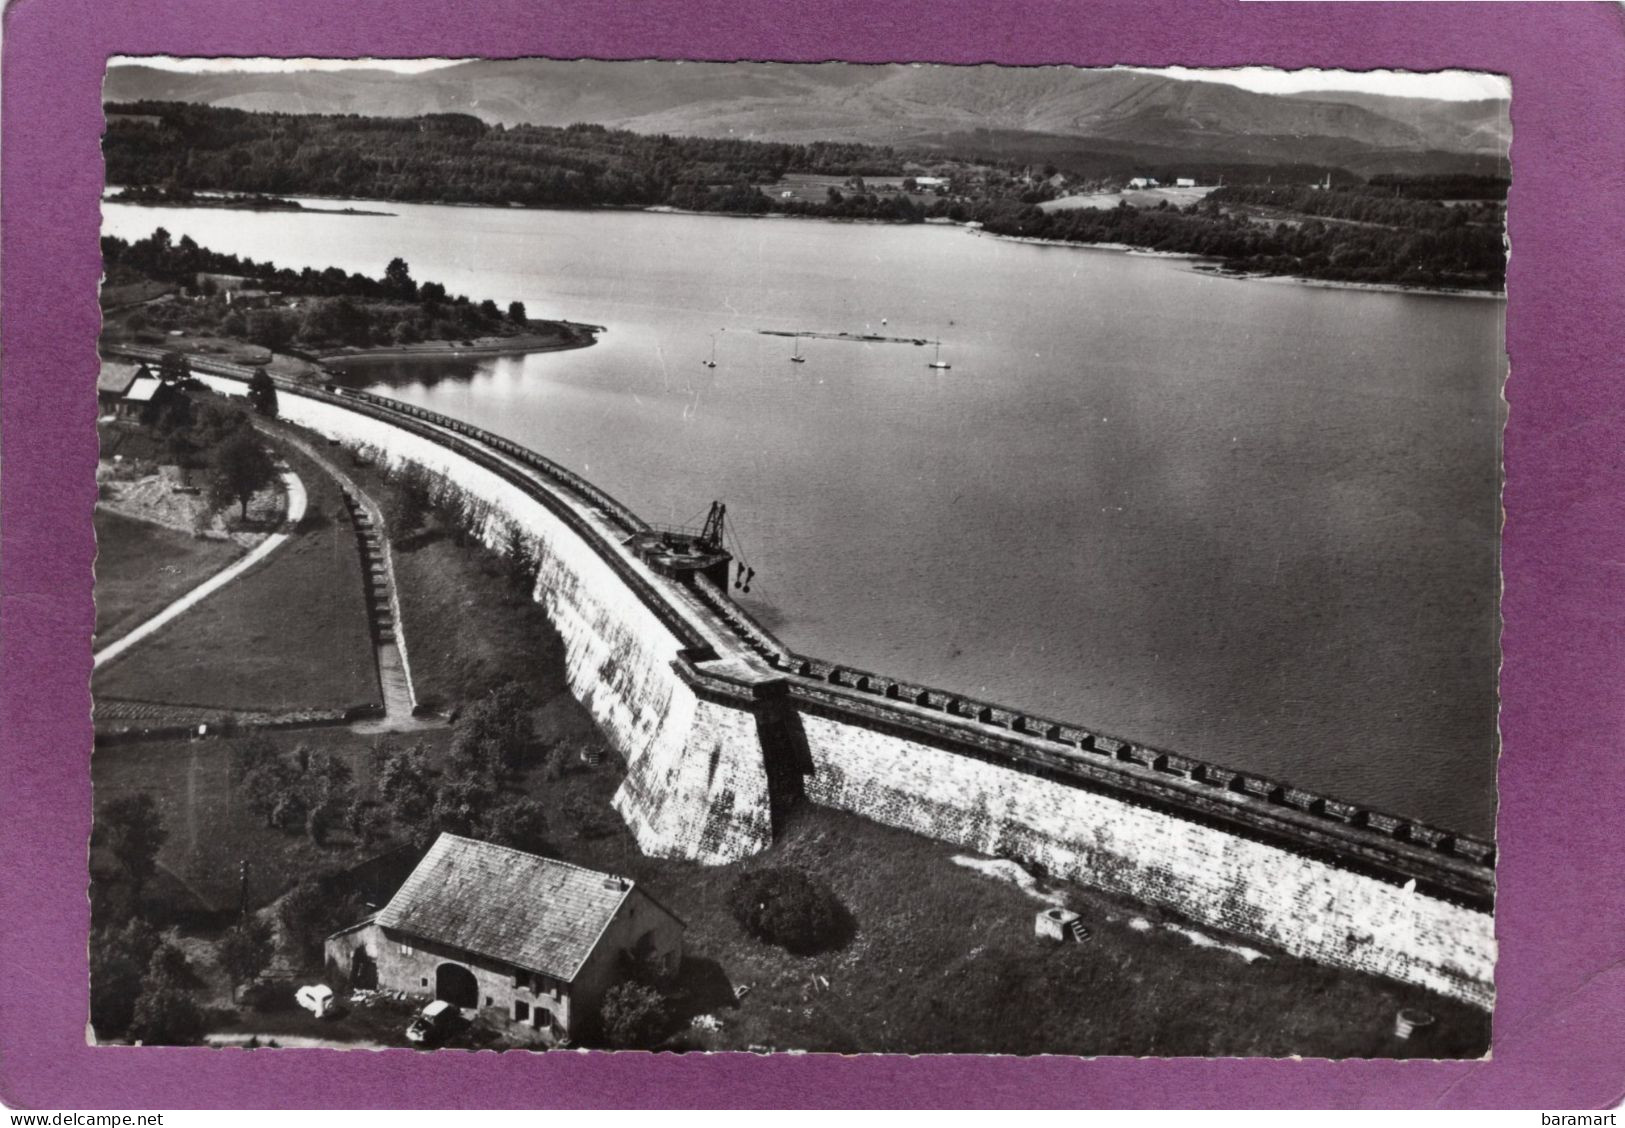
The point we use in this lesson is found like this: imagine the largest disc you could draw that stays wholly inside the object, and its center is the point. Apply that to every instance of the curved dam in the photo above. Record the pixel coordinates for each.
(723, 728)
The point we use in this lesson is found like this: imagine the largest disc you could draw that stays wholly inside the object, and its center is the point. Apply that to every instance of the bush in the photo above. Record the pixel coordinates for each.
(634, 1016)
(264, 996)
(246, 949)
(520, 824)
(166, 1016)
(790, 908)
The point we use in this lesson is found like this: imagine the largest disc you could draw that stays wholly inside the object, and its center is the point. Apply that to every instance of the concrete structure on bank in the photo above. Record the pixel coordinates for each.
(722, 728)
(529, 943)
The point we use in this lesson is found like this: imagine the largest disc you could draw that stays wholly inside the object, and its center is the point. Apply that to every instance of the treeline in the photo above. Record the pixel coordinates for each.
(453, 158)
(744, 199)
(1469, 257)
(1442, 186)
(1367, 204)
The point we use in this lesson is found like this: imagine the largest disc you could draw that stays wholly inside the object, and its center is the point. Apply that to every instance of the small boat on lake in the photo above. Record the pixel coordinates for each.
(796, 357)
(939, 362)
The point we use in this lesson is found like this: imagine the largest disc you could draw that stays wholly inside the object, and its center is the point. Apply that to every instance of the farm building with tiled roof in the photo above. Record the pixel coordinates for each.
(530, 943)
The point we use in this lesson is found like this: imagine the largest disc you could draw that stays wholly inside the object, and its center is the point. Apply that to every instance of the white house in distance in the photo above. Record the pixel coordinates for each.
(1184, 182)
(1143, 182)
(529, 943)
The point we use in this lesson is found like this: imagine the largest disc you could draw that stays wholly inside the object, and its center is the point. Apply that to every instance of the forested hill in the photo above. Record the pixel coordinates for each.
(454, 158)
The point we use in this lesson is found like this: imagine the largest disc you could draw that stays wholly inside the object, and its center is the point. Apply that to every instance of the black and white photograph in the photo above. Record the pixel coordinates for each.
(827, 558)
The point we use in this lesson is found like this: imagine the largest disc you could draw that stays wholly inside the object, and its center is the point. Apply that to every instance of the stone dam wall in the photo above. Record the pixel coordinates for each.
(722, 728)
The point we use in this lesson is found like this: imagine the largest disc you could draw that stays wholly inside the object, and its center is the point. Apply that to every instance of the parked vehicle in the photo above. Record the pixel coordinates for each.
(433, 1023)
(316, 998)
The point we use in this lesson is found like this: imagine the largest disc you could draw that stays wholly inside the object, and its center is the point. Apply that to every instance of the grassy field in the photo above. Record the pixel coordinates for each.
(466, 627)
(141, 568)
(290, 635)
(1134, 197)
(810, 188)
(211, 830)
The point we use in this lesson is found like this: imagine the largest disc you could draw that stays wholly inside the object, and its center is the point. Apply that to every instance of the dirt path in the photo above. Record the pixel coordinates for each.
(296, 512)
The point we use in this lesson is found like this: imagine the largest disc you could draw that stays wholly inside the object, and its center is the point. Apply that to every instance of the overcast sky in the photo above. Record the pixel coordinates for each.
(1453, 85)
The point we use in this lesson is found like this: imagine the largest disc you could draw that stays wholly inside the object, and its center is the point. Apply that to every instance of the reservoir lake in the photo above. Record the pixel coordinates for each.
(1251, 521)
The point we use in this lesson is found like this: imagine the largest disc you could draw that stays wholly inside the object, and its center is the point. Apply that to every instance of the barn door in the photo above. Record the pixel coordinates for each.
(455, 984)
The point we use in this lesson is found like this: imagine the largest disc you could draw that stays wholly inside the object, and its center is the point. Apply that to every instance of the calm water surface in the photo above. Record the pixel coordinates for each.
(1251, 521)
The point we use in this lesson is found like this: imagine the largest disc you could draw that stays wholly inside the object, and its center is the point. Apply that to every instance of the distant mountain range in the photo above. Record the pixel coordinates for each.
(1056, 109)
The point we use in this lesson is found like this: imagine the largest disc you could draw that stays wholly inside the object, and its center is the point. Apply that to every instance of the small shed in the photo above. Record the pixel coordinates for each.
(1061, 925)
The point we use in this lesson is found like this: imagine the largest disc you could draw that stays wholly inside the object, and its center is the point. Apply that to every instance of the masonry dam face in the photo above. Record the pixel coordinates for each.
(722, 729)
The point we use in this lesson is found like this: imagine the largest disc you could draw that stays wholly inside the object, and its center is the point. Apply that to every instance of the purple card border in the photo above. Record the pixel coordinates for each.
(1558, 1028)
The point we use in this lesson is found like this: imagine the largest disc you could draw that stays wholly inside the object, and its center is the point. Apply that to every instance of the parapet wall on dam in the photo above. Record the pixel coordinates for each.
(721, 727)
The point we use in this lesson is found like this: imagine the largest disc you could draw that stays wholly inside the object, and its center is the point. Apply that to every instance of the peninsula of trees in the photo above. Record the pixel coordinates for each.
(151, 197)
(314, 311)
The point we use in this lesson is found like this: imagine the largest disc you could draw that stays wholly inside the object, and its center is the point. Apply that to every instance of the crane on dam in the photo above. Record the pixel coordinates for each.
(679, 552)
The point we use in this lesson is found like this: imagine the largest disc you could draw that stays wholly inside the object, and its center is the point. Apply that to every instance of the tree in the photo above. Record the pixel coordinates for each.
(398, 280)
(262, 393)
(245, 950)
(407, 792)
(213, 421)
(172, 366)
(168, 967)
(240, 469)
(634, 1016)
(521, 824)
(268, 778)
(166, 1016)
(118, 960)
(489, 311)
(115, 986)
(271, 328)
(414, 489)
(790, 908)
(132, 831)
(305, 913)
(327, 789)
(452, 510)
(522, 561)
(516, 312)
(365, 822)
(497, 731)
